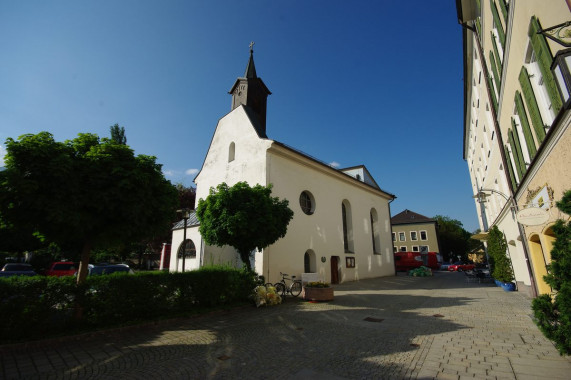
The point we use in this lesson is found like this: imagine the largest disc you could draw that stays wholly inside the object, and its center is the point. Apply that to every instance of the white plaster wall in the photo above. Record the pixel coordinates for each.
(509, 227)
(250, 156)
(322, 231)
(177, 238)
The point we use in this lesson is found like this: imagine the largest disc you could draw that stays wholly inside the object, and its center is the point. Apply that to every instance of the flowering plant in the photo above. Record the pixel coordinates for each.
(317, 284)
(266, 296)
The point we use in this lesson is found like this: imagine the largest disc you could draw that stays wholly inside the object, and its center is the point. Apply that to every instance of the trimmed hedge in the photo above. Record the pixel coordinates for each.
(38, 306)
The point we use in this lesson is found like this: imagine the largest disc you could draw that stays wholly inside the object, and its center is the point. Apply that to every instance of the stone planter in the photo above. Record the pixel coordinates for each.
(317, 294)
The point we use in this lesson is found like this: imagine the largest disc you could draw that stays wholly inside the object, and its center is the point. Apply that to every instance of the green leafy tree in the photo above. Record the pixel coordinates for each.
(243, 217)
(553, 312)
(86, 192)
(500, 263)
(118, 134)
(453, 239)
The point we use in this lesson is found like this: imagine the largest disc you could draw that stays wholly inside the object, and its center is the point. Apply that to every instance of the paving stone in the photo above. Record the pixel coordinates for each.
(483, 332)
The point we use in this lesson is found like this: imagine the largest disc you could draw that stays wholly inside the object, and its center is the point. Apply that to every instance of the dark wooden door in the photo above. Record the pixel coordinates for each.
(334, 269)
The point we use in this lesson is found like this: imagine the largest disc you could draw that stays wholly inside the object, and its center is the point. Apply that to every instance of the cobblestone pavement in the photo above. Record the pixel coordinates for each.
(389, 328)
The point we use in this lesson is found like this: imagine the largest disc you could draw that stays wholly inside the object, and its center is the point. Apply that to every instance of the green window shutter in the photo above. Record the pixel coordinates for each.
(525, 125)
(544, 59)
(510, 168)
(479, 27)
(516, 150)
(504, 9)
(496, 52)
(499, 26)
(532, 107)
(495, 70)
(493, 93)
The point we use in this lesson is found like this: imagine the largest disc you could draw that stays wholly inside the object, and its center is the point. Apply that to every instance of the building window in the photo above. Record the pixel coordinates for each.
(375, 232)
(403, 248)
(231, 152)
(415, 248)
(413, 235)
(309, 262)
(394, 249)
(350, 262)
(307, 202)
(188, 249)
(423, 249)
(423, 235)
(394, 236)
(402, 236)
(347, 227)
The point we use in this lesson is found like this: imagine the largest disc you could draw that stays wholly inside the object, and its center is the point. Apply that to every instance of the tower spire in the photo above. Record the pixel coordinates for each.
(251, 69)
(251, 92)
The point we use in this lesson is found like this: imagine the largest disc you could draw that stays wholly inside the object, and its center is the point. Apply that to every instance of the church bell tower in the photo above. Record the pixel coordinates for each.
(251, 92)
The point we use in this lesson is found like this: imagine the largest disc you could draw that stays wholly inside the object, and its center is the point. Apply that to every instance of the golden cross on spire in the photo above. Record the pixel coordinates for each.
(252, 47)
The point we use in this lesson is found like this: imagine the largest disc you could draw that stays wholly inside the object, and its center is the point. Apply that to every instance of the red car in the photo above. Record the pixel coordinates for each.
(460, 266)
(62, 268)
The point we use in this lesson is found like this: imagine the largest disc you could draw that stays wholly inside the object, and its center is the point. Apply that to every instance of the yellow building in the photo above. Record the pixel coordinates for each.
(413, 232)
(516, 123)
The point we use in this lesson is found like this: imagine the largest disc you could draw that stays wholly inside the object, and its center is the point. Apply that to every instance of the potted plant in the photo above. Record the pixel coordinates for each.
(500, 263)
(317, 291)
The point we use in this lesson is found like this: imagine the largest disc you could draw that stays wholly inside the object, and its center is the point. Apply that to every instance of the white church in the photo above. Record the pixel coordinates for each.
(341, 227)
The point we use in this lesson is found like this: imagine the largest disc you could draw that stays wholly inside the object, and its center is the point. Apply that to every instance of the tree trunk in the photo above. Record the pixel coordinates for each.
(85, 252)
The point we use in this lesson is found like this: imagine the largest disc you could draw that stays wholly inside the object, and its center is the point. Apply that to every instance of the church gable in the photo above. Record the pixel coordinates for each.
(236, 153)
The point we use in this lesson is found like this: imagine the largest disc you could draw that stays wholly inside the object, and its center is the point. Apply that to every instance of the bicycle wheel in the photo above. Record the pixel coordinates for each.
(280, 288)
(295, 288)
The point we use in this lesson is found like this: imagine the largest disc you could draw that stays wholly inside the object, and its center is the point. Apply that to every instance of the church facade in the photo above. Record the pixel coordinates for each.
(341, 228)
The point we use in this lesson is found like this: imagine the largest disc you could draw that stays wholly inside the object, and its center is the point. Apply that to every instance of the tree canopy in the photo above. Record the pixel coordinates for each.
(243, 217)
(553, 311)
(86, 192)
(453, 239)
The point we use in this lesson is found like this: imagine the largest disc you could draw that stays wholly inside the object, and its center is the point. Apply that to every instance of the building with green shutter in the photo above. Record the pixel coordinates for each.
(516, 123)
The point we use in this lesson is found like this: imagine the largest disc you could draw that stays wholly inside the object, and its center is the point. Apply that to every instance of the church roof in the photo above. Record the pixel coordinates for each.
(410, 217)
(192, 221)
(251, 69)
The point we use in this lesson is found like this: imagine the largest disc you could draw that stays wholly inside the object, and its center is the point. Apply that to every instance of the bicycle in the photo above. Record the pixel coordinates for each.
(294, 288)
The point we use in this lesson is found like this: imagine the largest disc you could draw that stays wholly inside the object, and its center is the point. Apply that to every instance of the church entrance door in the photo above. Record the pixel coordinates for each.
(334, 269)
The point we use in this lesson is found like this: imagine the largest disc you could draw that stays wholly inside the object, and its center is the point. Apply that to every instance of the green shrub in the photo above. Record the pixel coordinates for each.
(38, 306)
(500, 263)
(553, 313)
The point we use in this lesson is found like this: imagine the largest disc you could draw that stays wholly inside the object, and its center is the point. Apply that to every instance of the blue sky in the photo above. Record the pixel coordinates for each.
(377, 83)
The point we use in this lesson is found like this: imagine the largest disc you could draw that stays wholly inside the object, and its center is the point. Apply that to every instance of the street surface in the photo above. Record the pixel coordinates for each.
(395, 328)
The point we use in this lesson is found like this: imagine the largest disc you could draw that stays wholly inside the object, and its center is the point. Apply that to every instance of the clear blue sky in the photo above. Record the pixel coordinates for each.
(377, 83)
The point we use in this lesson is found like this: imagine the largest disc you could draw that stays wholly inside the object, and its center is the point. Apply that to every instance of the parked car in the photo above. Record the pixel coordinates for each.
(460, 266)
(17, 269)
(411, 260)
(62, 268)
(99, 269)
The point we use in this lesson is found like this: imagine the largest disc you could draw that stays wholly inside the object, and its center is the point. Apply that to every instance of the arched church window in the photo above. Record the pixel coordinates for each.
(187, 248)
(231, 152)
(309, 263)
(347, 227)
(375, 234)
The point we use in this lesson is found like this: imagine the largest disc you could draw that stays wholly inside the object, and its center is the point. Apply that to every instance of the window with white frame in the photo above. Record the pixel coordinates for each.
(423, 235)
(402, 236)
(403, 248)
(413, 235)
(394, 236)
(536, 78)
(415, 248)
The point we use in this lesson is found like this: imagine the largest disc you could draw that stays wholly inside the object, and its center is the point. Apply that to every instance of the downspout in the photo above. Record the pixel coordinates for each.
(474, 30)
